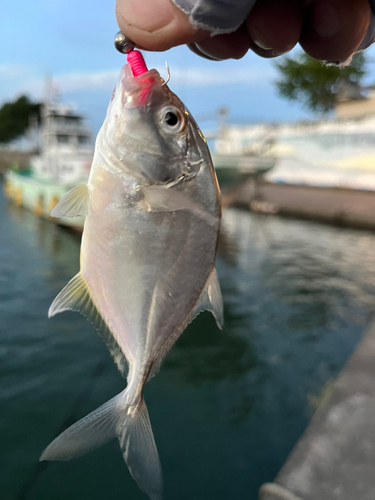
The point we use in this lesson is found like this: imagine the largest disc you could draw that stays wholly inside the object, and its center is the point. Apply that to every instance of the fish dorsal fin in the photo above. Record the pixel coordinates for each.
(76, 296)
(210, 300)
(73, 204)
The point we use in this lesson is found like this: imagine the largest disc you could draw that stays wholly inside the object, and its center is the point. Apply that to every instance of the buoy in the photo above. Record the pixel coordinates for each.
(18, 198)
(39, 206)
(53, 203)
(8, 190)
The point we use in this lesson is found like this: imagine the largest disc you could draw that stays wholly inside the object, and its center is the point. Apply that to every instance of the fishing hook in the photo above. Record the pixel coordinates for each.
(168, 73)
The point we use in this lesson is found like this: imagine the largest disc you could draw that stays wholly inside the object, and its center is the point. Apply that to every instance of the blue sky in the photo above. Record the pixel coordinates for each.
(73, 41)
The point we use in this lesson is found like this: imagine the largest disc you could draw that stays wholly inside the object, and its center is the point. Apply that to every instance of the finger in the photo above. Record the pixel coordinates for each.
(155, 24)
(334, 29)
(194, 48)
(230, 46)
(274, 27)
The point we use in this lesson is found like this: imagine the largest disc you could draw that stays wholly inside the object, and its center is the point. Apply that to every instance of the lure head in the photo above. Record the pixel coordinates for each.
(149, 132)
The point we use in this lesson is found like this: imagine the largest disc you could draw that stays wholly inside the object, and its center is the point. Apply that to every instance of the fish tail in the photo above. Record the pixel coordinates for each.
(132, 427)
(139, 450)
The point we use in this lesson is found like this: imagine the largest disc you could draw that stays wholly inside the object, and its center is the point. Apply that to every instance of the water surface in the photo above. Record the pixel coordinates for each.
(227, 406)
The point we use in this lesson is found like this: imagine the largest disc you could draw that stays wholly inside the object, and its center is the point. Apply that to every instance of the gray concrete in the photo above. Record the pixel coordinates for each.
(345, 207)
(335, 458)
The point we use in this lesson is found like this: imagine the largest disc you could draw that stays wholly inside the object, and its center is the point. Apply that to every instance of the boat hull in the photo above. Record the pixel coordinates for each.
(234, 170)
(39, 197)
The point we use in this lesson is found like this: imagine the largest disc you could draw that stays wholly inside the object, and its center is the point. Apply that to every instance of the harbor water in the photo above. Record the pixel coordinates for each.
(227, 406)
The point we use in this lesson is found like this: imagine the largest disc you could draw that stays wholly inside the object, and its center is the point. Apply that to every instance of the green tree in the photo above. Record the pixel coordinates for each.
(316, 86)
(14, 118)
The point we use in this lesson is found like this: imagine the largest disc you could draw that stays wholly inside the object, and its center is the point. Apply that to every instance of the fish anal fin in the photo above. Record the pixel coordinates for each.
(210, 300)
(73, 204)
(76, 296)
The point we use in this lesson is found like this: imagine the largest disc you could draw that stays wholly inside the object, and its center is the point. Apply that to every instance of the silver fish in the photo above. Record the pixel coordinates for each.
(152, 208)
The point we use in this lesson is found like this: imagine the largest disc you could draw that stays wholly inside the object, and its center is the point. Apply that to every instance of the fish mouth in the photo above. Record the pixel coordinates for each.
(133, 91)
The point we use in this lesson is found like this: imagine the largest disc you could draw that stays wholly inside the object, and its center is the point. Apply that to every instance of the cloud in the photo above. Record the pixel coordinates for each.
(97, 80)
(22, 79)
(216, 77)
(189, 77)
(17, 79)
(13, 71)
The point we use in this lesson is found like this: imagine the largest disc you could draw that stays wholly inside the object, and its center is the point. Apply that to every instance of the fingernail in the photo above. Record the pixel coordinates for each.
(324, 20)
(210, 52)
(262, 52)
(262, 45)
(194, 48)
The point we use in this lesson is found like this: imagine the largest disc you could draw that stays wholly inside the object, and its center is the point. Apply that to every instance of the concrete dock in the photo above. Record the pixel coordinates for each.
(335, 458)
(345, 207)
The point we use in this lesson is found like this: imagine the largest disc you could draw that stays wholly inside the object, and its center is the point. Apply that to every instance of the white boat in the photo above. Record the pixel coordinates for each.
(63, 161)
(235, 162)
(234, 170)
(335, 152)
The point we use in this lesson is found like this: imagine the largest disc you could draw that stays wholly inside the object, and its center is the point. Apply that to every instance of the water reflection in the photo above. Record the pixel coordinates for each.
(228, 405)
(204, 353)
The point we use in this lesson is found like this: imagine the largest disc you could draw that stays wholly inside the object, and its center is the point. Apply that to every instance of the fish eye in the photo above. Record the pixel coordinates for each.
(172, 120)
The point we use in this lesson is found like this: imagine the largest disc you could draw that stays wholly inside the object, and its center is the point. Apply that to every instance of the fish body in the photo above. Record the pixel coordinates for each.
(152, 208)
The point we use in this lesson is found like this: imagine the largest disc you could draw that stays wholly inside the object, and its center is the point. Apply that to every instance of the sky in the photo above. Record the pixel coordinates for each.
(72, 40)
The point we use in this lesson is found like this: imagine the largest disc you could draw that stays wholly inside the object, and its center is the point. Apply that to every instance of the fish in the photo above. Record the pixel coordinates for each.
(152, 211)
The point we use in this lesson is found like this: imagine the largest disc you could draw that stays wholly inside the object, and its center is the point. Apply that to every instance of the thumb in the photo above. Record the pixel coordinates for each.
(156, 24)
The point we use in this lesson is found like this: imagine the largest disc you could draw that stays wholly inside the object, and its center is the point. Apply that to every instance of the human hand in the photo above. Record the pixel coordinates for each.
(330, 30)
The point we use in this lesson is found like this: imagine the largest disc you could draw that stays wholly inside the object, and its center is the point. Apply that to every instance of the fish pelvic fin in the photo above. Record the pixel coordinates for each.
(210, 300)
(73, 204)
(76, 296)
(133, 429)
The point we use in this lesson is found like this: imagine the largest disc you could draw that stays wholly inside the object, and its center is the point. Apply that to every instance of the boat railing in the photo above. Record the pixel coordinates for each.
(68, 127)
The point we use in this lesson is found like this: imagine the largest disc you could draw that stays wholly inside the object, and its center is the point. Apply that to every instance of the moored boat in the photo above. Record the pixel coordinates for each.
(234, 170)
(63, 161)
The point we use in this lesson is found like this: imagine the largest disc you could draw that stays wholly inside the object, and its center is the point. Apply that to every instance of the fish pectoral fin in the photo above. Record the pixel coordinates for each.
(162, 199)
(73, 204)
(76, 296)
(210, 300)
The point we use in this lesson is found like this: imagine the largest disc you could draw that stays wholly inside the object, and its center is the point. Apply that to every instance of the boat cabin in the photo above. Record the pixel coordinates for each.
(66, 146)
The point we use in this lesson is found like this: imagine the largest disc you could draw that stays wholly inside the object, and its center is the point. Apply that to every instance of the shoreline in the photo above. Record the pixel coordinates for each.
(335, 456)
(337, 206)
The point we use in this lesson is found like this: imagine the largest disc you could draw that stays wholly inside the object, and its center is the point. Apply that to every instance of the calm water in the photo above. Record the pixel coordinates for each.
(227, 406)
